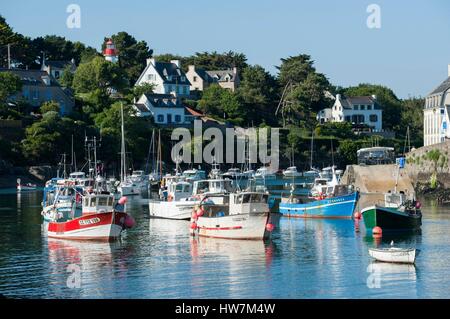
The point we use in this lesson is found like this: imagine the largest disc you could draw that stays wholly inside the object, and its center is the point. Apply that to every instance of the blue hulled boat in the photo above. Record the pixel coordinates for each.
(334, 207)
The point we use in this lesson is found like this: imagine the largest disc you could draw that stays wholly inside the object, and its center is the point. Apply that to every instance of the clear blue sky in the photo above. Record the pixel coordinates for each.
(410, 52)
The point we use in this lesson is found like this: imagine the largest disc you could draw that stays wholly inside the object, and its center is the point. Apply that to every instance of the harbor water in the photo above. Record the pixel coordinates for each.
(158, 259)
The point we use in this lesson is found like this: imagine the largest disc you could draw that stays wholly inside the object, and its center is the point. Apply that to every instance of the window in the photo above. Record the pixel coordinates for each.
(150, 76)
(195, 79)
(373, 118)
(169, 118)
(183, 79)
(57, 74)
(363, 107)
(356, 107)
(369, 107)
(348, 118)
(177, 118)
(160, 118)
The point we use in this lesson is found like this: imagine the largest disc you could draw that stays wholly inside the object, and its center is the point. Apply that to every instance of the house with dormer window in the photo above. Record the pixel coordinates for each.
(167, 77)
(358, 110)
(200, 79)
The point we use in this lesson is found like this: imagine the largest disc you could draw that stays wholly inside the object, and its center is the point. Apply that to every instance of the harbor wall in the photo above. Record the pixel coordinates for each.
(373, 181)
(420, 167)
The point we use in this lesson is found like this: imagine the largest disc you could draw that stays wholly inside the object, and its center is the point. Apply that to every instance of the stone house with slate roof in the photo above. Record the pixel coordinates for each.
(39, 87)
(201, 79)
(56, 68)
(357, 110)
(168, 78)
(436, 114)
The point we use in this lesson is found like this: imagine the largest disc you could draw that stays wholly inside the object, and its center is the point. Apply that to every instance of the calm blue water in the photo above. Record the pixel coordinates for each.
(158, 259)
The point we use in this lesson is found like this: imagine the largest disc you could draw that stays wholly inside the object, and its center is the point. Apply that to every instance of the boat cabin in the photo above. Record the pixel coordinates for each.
(394, 200)
(238, 204)
(213, 186)
(77, 175)
(98, 203)
(179, 190)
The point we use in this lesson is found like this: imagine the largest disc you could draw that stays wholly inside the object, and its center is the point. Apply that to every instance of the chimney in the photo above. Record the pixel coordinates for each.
(176, 62)
(150, 60)
(46, 80)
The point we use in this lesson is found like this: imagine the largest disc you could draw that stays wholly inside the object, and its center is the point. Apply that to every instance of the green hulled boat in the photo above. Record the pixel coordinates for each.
(397, 214)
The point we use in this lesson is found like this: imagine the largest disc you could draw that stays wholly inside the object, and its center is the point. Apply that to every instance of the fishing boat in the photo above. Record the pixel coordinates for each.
(175, 202)
(394, 254)
(25, 187)
(233, 173)
(327, 199)
(243, 215)
(180, 197)
(101, 218)
(398, 212)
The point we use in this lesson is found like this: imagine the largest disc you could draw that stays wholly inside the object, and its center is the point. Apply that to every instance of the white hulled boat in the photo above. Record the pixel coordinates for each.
(243, 215)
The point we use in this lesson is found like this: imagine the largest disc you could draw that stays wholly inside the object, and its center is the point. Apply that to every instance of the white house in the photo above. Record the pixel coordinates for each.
(166, 109)
(356, 110)
(168, 78)
(436, 114)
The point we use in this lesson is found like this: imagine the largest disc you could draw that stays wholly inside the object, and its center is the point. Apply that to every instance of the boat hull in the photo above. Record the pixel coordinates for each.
(240, 226)
(99, 226)
(172, 210)
(340, 207)
(404, 256)
(390, 219)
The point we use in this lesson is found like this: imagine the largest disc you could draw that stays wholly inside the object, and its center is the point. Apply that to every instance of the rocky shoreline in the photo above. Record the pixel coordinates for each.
(440, 193)
(32, 174)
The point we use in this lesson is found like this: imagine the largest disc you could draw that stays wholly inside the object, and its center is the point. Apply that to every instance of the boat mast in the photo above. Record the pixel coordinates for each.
(312, 145)
(159, 153)
(123, 173)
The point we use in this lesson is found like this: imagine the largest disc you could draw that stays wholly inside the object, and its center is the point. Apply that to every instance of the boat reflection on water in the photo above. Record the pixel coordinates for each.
(387, 275)
(89, 259)
(233, 250)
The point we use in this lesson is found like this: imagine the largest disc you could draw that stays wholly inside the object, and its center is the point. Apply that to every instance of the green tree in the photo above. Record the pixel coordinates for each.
(258, 92)
(50, 106)
(412, 117)
(66, 79)
(303, 89)
(98, 74)
(145, 88)
(9, 85)
(132, 54)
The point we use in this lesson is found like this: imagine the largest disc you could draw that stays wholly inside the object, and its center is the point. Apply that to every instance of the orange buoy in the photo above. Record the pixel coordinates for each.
(357, 215)
(270, 227)
(194, 225)
(377, 231)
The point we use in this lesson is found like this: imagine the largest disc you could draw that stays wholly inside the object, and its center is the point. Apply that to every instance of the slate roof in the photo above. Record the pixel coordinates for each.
(31, 77)
(163, 100)
(57, 64)
(219, 75)
(169, 72)
(141, 107)
(443, 87)
(348, 102)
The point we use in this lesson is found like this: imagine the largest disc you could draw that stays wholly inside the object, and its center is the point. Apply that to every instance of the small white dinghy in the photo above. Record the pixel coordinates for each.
(394, 254)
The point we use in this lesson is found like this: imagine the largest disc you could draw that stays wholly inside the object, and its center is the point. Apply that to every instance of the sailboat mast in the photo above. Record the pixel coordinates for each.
(122, 152)
(159, 153)
(312, 145)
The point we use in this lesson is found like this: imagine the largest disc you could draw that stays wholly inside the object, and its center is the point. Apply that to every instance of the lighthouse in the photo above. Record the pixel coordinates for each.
(110, 52)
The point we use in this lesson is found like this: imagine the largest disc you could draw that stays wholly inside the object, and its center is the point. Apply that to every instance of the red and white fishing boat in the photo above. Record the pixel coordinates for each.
(101, 219)
(243, 215)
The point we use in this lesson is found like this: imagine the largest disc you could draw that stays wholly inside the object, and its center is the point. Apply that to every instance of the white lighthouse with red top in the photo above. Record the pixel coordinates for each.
(110, 52)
